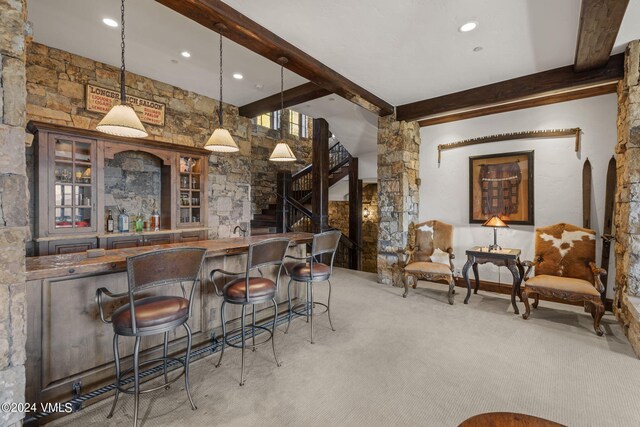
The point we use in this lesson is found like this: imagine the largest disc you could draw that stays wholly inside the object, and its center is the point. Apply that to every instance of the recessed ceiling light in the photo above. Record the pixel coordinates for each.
(332, 99)
(185, 53)
(174, 61)
(237, 76)
(110, 22)
(469, 26)
(259, 86)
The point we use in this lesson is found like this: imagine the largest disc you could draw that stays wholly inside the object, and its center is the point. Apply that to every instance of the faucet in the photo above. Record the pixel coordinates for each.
(242, 230)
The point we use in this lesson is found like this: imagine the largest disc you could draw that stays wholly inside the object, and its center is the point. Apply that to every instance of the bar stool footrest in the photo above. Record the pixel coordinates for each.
(130, 390)
(236, 334)
(295, 308)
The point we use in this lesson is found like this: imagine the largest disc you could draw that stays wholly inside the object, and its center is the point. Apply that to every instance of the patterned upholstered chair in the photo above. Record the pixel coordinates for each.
(565, 268)
(428, 255)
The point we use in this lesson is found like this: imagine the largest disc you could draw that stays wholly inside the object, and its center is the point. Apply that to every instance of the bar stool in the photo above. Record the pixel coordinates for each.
(252, 290)
(151, 315)
(311, 271)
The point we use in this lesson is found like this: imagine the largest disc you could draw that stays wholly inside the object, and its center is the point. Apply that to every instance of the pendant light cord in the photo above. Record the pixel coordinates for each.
(220, 109)
(123, 99)
(282, 101)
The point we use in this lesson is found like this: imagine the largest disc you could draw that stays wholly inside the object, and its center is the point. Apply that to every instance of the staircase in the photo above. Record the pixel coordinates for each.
(301, 191)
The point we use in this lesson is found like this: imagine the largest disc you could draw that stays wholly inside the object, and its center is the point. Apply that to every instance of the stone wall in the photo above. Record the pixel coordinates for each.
(339, 215)
(13, 205)
(133, 179)
(264, 172)
(627, 213)
(370, 228)
(56, 83)
(398, 196)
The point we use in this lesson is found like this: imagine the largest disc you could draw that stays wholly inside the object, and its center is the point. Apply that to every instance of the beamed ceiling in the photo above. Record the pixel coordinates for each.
(401, 52)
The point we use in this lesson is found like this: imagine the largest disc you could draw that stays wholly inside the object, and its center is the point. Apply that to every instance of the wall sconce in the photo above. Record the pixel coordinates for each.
(365, 213)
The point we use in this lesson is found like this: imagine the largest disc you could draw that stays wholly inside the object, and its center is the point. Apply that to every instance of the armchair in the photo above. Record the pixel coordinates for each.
(428, 255)
(565, 268)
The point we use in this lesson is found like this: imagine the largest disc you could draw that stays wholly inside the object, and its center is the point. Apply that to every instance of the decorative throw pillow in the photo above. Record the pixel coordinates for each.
(440, 256)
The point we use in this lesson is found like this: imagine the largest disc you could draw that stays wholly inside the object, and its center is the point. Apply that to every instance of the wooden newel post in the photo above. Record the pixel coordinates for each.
(355, 213)
(282, 209)
(320, 175)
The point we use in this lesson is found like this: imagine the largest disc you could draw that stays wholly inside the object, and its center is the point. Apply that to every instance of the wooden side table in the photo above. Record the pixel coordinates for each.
(509, 258)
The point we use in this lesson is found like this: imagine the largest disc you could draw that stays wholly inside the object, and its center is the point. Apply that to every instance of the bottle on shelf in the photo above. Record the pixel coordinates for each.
(110, 222)
(123, 221)
(139, 223)
(155, 218)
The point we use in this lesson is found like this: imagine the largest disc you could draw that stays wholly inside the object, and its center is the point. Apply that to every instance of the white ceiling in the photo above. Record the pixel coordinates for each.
(156, 35)
(410, 50)
(402, 51)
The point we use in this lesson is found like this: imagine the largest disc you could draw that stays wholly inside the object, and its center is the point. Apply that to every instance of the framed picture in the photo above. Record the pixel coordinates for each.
(501, 184)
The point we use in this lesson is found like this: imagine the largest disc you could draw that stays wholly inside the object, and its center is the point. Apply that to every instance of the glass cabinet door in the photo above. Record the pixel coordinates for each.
(190, 190)
(73, 184)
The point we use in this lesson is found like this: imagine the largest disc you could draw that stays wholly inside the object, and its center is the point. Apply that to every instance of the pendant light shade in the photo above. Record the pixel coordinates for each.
(122, 120)
(221, 140)
(282, 152)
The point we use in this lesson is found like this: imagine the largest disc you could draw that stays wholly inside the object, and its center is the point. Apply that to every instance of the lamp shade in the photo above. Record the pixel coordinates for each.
(221, 141)
(282, 153)
(495, 221)
(122, 120)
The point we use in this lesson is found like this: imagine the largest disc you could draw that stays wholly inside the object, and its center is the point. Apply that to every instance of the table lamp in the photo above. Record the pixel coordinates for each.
(496, 223)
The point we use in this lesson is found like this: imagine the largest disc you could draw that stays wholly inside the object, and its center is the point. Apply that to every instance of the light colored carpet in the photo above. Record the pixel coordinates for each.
(414, 361)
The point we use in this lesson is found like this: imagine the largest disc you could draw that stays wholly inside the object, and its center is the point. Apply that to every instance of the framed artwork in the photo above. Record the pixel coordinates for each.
(501, 184)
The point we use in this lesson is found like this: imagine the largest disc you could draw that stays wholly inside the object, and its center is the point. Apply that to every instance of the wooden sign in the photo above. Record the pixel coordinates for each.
(100, 100)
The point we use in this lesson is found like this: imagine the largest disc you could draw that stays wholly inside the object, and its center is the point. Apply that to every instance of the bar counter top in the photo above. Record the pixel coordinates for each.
(76, 264)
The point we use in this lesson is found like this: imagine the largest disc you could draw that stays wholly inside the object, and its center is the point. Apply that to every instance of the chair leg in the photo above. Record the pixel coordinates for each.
(224, 330)
(308, 305)
(136, 381)
(186, 366)
(242, 326)
(273, 330)
(452, 286)
(253, 329)
(406, 285)
(310, 312)
(527, 308)
(116, 354)
(329, 307)
(289, 301)
(165, 351)
(599, 311)
(536, 301)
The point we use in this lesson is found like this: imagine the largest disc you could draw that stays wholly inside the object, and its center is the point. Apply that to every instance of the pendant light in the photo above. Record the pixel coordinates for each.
(221, 140)
(282, 152)
(122, 120)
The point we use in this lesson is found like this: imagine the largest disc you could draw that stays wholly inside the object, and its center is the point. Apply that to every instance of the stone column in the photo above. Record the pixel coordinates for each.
(398, 198)
(13, 204)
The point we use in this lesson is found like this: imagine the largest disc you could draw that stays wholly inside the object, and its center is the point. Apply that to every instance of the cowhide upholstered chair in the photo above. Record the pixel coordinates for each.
(428, 255)
(565, 268)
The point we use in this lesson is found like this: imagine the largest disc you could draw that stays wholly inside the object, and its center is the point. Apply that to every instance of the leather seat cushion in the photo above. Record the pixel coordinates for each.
(259, 287)
(151, 311)
(304, 270)
(427, 267)
(565, 284)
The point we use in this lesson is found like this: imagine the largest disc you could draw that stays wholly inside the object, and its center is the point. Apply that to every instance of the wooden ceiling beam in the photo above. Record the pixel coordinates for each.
(522, 104)
(294, 96)
(600, 22)
(552, 81)
(258, 39)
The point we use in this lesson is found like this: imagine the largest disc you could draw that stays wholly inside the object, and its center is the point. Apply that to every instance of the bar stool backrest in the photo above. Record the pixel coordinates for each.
(266, 253)
(325, 243)
(163, 267)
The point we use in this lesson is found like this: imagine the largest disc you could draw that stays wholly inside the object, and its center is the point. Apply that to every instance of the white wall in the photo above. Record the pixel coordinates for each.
(444, 192)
